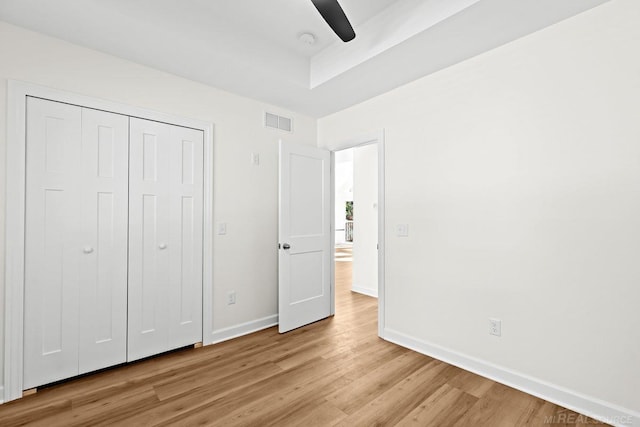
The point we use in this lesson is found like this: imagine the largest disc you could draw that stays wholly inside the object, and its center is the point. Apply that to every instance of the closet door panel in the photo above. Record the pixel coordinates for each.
(113, 240)
(52, 242)
(148, 238)
(103, 272)
(186, 187)
(165, 249)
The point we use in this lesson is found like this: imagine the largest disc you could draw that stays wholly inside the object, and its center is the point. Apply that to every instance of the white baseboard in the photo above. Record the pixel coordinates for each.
(586, 405)
(365, 291)
(242, 329)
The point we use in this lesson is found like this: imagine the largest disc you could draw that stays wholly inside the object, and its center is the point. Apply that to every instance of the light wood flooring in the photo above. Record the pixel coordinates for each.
(333, 372)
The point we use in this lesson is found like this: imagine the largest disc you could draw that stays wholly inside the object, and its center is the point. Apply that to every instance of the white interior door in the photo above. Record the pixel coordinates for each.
(148, 235)
(104, 211)
(111, 274)
(304, 290)
(165, 237)
(75, 242)
(185, 235)
(52, 243)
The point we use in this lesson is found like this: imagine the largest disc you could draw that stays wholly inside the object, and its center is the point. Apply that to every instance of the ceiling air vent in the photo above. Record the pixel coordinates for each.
(277, 122)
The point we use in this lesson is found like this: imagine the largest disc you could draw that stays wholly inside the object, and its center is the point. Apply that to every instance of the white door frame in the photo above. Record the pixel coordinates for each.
(15, 210)
(376, 137)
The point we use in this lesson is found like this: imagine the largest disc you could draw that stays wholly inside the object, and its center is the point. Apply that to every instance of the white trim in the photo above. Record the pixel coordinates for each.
(589, 406)
(376, 137)
(14, 241)
(381, 235)
(207, 238)
(243, 329)
(365, 291)
(14, 225)
(364, 139)
(332, 227)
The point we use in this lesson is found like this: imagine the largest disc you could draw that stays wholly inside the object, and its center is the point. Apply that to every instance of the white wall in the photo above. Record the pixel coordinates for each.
(518, 172)
(245, 196)
(365, 219)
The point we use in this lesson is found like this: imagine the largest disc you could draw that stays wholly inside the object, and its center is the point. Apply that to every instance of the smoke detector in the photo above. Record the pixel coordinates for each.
(307, 38)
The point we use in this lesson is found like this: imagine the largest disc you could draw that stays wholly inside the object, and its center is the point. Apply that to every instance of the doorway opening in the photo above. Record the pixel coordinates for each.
(356, 228)
(306, 234)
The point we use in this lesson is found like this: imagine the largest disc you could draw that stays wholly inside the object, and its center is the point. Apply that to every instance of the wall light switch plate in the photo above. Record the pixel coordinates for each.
(402, 230)
(222, 228)
(231, 298)
(495, 327)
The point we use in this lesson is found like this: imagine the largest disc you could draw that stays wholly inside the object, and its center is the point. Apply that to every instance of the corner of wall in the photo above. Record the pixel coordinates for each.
(365, 291)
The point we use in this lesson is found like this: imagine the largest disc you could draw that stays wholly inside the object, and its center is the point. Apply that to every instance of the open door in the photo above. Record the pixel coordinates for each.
(304, 256)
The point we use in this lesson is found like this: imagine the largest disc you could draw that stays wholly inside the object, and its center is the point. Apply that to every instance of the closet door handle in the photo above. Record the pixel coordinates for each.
(87, 249)
(162, 246)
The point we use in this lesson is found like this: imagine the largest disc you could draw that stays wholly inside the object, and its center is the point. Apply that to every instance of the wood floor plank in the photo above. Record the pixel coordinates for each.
(184, 386)
(505, 406)
(106, 412)
(377, 381)
(471, 383)
(14, 414)
(333, 372)
(253, 403)
(217, 397)
(444, 407)
(317, 415)
(279, 407)
(393, 405)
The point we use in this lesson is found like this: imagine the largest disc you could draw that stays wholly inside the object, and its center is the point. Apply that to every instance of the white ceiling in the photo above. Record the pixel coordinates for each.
(251, 47)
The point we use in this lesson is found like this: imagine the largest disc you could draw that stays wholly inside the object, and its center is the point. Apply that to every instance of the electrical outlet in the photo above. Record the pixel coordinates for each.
(495, 327)
(231, 297)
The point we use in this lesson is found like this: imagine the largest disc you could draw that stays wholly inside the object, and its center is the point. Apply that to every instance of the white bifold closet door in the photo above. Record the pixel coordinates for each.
(165, 237)
(75, 241)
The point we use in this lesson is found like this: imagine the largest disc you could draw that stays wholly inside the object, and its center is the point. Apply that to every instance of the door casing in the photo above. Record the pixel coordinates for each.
(376, 137)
